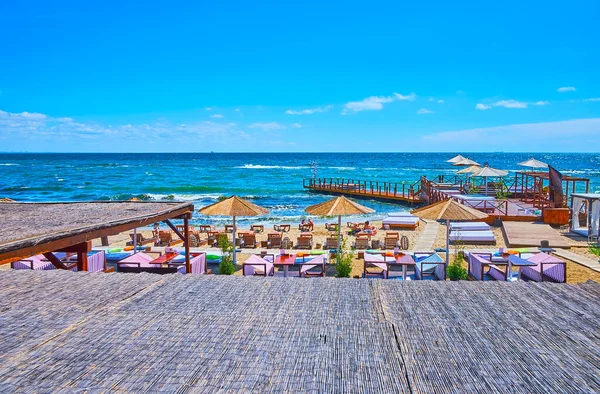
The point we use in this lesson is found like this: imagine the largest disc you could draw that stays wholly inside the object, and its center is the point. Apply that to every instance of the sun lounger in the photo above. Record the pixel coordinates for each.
(473, 237)
(361, 243)
(283, 228)
(248, 241)
(478, 262)
(306, 227)
(140, 239)
(429, 264)
(548, 268)
(331, 226)
(205, 228)
(229, 228)
(313, 267)
(390, 243)
(274, 241)
(166, 239)
(400, 214)
(375, 261)
(304, 242)
(257, 266)
(257, 228)
(469, 226)
(331, 243)
(406, 222)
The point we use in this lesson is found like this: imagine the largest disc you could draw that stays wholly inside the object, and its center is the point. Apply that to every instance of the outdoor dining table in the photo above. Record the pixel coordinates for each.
(165, 258)
(404, 260)
(514, 260)
(285, 260)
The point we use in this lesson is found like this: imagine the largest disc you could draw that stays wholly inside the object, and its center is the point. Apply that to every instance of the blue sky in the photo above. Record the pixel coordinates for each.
(305, 76)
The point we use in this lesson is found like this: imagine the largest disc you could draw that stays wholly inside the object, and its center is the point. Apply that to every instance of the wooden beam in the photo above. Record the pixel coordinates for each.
(21, 253)
(55, 261)
(186, 243)
(168, 222)
(82, 247)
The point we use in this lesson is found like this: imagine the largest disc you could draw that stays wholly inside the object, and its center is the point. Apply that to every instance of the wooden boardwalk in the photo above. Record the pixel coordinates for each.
(522, 234)
(427, 237)
(581, 260)
(384, 191)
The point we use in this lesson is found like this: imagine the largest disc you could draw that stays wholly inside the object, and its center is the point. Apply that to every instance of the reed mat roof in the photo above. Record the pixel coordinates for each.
(86, 332)
(28, 224)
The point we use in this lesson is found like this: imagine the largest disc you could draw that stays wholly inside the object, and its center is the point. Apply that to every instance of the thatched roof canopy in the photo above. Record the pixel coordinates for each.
(449, 210)
(234, 206)
(34, 228)
(338, 206)
(178, 333)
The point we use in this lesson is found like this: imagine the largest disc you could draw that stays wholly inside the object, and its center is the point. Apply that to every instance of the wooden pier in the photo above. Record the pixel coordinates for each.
(384, 191)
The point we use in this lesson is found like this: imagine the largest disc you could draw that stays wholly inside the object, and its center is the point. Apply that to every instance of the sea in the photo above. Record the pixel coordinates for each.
(271, 180)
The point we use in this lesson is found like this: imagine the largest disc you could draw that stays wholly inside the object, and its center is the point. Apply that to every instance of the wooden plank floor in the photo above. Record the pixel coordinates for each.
(519, 234)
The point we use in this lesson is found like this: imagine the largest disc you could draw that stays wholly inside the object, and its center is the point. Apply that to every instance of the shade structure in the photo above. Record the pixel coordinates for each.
(469, 170)
(449, 210)
(234, 206)
(339, 206)
(6, 199)
(533, 163)
(456, 159)
(488, 171)
(466, 162)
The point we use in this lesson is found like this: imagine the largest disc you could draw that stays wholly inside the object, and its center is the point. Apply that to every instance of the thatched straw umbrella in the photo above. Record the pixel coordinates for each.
(448, 210)
(337, 207)
(234, 206)
(456, 159)
(6, 199)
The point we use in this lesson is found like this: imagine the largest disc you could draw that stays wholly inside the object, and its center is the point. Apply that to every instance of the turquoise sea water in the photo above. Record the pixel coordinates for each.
(271, 180)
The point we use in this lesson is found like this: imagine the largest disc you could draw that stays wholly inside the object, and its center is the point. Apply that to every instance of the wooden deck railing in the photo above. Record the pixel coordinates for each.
(389, 190)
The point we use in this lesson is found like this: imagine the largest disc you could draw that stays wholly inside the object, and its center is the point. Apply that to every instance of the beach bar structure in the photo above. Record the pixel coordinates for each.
(532, 187)
(227, 334)
(384, 191)
(30, 229)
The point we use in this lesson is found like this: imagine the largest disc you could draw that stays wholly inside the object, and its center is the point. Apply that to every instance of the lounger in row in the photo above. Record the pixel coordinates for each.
(469, 226)
(470, 237)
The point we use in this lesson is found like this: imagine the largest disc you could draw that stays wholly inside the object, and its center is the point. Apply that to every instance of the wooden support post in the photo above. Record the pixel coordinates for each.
(104, 241)
(186, 243)
(82, 261)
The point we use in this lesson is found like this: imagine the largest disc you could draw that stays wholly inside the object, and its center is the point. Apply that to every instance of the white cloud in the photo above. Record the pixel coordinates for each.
(430, 99)
(270, 126)
(510, 104)
(565, 89)
(593, 99)
(483, 106)
(217, 116)
(208, 108)
(542, 103)
(424, 111)
(568, 135)
(410, 97)
(440, 101)
(237, 110)
(296, 125)
(308, 111)
(374, 103)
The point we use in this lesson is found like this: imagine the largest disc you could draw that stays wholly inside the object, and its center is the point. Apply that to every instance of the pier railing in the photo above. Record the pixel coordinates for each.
(392, 190)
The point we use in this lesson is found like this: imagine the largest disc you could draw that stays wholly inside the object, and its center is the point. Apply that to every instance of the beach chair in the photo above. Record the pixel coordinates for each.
(429, 264)
(305, 227)
(248, 241)
(548, 268)
(313, 267)
(229, 228)
(205, 228)
(331, 243)
(274, 241)
(361, 242)
(282, 228)
(213, 238)
(258, 266)
(304, 242)
(141, 240)
(478, 262)
(257, 228)
(166, 238)
(331, 226)
(390, 242)
(375, 265)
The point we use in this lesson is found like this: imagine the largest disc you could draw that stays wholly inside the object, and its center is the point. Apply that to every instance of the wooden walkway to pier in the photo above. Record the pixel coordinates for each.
(522, 234)
(385, 191)
(427, 237)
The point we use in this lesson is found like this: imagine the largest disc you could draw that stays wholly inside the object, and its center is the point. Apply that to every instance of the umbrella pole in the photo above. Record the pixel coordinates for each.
(339, 237)
(234, 247)
(134, 240)
(447, 242)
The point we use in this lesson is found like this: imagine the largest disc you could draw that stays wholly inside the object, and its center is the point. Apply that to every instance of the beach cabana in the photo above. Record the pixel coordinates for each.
(585, 214)
(339, 206)
(449, 210)
(234, 206)
(30, 229)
